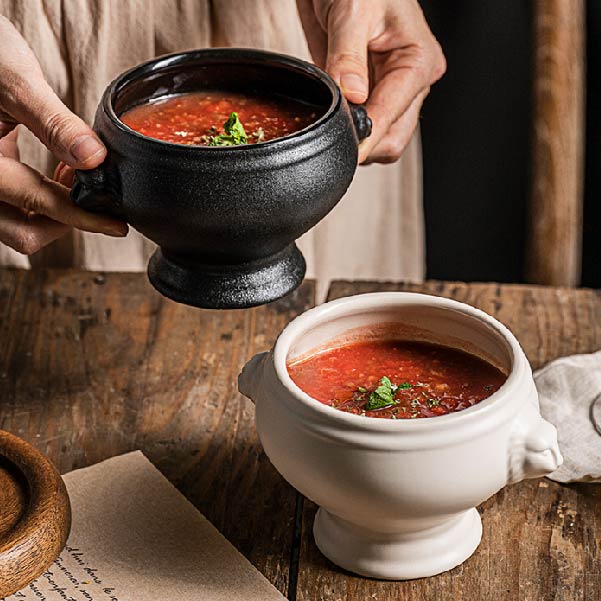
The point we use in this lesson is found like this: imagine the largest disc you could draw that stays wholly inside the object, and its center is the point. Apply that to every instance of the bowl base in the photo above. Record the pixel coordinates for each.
(228, 286)
(391, 556)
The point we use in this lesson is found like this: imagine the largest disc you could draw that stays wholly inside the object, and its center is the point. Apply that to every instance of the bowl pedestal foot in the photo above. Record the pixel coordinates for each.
(227, 286)
(398, 556)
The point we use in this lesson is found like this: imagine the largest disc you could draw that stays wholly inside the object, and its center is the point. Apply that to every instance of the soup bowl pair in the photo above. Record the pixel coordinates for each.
(397, 498)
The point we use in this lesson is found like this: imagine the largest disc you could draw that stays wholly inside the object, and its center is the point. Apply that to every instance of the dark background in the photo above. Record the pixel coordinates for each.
(476, 134)
(591, 258)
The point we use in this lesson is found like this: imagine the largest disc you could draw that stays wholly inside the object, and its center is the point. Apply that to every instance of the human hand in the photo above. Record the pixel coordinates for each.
(382, 53)
(35, 210)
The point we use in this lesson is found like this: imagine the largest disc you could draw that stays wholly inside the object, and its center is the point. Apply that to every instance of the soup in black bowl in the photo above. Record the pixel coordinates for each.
(219, 118)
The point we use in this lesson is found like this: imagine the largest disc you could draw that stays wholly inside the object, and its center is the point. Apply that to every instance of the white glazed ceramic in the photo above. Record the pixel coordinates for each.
(397, 497)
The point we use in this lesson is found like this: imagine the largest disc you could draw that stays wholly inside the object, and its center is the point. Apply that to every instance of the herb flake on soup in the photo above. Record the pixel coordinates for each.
(218, 118)
(396, 379)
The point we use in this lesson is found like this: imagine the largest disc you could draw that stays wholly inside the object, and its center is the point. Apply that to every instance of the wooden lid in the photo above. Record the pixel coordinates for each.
(35, 515)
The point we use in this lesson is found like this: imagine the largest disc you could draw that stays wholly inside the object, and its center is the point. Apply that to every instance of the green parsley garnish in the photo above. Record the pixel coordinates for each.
(362, 389)
(382, 396)
(404, 386)
(235, 135)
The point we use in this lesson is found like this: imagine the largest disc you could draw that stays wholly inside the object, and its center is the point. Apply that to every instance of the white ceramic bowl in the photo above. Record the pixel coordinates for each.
(397, 497)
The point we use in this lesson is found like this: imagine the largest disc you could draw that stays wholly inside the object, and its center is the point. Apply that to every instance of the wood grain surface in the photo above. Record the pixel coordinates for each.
(92, 366)
(13, 496)
(555, 232)
(541, 539)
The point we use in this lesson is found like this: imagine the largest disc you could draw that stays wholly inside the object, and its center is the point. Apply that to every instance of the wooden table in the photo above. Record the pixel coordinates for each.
(95, 365)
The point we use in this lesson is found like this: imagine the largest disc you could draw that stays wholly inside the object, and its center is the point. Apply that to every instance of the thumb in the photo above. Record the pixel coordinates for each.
(26, 97)
(347, 53)
(62, 132)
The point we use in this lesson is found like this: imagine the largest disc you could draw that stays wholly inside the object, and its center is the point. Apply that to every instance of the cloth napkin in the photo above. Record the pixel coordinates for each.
(568, 388)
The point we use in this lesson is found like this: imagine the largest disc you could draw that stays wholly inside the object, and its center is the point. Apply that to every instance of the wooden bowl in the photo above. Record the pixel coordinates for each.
(35, 514)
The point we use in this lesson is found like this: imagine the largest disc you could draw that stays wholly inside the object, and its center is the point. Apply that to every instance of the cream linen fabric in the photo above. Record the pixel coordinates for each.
(567, 389)
(375, 232)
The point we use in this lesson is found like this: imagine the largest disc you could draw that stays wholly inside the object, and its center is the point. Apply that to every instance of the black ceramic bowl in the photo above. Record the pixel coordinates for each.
(225, 218)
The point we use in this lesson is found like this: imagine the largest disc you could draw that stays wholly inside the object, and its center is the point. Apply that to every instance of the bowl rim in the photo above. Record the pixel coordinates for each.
(216, 55)
(376, 300)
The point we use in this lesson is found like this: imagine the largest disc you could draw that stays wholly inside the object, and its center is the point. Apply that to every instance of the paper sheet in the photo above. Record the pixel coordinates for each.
(136, 538)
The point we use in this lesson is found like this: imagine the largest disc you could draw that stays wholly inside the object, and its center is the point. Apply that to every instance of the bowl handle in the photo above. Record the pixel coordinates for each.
(250, 379)
(361, 120)
(98, 191)
(533, 451)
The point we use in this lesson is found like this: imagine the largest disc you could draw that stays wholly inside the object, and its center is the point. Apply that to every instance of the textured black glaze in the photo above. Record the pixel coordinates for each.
(225, 218)
(96, 190)
(236, 287)
(361, 120)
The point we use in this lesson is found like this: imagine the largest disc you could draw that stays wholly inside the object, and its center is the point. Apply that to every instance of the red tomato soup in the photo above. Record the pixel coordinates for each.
(396, 379)
(195, 118)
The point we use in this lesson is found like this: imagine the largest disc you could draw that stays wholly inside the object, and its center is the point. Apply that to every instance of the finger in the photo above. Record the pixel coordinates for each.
(25, 188)
(348, 33)
(390, 148)
(28, 98)
(314, 32)
(62, 132)
(394, 93)
(28, 233)
(8, 145)
(57, 172)
(64, 175)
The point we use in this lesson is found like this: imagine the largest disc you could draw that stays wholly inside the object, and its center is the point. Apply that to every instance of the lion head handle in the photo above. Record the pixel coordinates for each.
(251, 378)
(533, 448)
